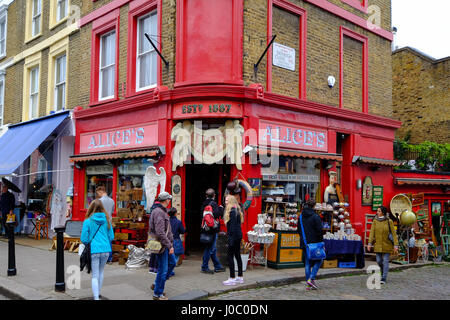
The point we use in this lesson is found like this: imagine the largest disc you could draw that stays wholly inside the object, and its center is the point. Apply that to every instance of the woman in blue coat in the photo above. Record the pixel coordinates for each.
(98, 231)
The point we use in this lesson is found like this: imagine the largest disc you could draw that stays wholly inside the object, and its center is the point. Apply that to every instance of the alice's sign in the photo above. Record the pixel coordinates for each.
(205, 109)
(275, 134)
(139, 136)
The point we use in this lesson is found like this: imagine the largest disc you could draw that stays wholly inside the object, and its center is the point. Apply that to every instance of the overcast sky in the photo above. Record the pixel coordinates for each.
(424, 25)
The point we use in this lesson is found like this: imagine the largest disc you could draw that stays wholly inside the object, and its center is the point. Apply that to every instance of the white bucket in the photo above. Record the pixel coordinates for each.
(244, 258)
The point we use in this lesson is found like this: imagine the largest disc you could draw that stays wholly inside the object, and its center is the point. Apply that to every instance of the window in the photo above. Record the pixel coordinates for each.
(107, 65)
(3, 35)
(146, 55)
(2, 96)
(34, 93)
(60, 83)
(61, 10)
(36, 17)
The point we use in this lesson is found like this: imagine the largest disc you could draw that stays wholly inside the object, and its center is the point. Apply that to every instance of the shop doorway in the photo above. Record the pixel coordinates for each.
(200, 177)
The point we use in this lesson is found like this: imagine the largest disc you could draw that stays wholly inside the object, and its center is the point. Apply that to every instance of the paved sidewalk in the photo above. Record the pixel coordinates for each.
(36, 275)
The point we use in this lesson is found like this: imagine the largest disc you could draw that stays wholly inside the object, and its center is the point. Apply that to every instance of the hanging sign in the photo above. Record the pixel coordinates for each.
(281, 135)
(137, 136)
(377, 197)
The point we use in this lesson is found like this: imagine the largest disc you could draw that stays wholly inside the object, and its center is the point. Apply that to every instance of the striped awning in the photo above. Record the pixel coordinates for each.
(299, 153)
(418, 181)
(376, 161)
(152, 152)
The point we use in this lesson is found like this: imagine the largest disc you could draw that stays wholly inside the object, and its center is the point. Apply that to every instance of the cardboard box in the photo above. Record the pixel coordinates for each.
(121, 236)
(330, 264)
(124, 213)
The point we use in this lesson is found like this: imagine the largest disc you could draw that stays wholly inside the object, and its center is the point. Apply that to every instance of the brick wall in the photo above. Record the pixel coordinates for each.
(421, 96)
(353, 79)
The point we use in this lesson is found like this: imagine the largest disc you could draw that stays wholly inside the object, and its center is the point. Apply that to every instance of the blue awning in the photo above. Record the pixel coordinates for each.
(22, 139)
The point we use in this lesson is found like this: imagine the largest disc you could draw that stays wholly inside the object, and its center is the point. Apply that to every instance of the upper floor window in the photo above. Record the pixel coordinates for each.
(3, 35)
(2, 97)
(34, 93)
(146, 67)
(61, 9)
(107, 65)
(36, 17)
(361, 5)
(60, 83)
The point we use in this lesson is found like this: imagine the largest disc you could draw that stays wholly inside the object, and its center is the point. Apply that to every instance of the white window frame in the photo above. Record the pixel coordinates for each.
(101, 68)
(34, 93)
(2, 97)
(3, 19)
(139, 55)
(58, 3)
(59, 84)
(36, 16)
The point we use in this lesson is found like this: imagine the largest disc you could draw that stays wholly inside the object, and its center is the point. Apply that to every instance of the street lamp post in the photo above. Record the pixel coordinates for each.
(11, 249)
(60, 284)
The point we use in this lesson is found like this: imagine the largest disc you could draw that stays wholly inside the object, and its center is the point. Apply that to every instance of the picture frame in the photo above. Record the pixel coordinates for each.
(436, 208)
(255, 183)
(366, 192)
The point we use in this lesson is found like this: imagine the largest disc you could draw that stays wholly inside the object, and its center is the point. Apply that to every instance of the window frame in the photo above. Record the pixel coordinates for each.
(4, 19)
(54, 13)
(103, 68)
(2, 98)
(62, 83)
(138, 55)
(58, 11)
(57, 50)
(31, 62)
(100, 27)
(31, 93)
(34, 16)
(138, 9)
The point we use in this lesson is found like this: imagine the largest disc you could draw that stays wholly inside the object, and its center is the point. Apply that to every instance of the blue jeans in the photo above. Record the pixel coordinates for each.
(210, 252)
(311, 268)
(383, 263)
(166, 263)
(98, 262)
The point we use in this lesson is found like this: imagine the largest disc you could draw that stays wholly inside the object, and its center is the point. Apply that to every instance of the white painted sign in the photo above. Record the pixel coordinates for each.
(283, 57)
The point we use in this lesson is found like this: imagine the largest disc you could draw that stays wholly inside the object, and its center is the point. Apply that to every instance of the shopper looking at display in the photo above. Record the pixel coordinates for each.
(312, 225)
(383, 239)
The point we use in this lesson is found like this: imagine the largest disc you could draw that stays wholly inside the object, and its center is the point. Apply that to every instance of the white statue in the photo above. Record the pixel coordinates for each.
(330, 194)
(151, 181)
(181, 134)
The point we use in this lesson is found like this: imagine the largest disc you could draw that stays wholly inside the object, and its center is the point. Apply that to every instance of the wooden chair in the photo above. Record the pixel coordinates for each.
(41, 229)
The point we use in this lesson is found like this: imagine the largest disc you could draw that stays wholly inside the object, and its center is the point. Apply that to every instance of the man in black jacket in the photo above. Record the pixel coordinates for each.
(7, 203)
(210, 249)
(312, 226)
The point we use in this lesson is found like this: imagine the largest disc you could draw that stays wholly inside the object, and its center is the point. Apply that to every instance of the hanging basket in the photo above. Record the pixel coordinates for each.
(400, 203)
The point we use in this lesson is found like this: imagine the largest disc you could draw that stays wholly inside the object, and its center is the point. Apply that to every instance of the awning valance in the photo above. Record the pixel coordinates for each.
(418, 181)
(376, 161)
(299, 153)
(149, 152)
(22, 139)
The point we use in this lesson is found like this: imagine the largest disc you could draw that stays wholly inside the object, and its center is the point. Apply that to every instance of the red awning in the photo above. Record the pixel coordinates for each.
(116, 155)
(299, 154)
(418, 181)
(376, 161)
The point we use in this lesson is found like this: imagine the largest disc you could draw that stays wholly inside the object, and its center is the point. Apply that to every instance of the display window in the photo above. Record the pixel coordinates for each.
(131, 182)
(98, 173)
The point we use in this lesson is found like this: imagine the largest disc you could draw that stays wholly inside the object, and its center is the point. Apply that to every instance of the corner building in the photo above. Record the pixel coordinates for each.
(140, 105)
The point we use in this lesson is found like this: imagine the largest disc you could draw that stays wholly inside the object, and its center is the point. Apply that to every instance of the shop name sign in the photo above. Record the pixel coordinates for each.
(117, 139)
(205, 109)
(291, 177)
(293, 137)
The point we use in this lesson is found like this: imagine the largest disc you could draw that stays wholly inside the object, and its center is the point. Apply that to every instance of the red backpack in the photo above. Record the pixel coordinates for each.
(208, 222)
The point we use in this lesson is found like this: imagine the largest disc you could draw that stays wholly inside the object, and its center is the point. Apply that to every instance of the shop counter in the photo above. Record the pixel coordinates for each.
(285, 250)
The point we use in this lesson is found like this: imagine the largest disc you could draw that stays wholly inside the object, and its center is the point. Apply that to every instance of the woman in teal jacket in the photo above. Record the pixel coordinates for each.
(97, 230)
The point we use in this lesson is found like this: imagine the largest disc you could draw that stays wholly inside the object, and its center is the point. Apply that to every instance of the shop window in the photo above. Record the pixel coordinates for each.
(99, 173)
(40, 178)
(131, 182)
(107, 65)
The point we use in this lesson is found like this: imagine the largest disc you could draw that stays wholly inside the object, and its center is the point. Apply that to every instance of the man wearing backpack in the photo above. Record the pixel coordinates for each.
(210, 206)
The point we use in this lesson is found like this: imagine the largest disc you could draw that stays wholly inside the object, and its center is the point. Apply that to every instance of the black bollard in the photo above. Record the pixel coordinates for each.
(60, 284)
(11, 249)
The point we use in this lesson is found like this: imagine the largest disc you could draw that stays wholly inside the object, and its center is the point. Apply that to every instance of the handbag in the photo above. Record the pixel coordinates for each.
(206, 238)
(153, 244)
(314, 251)
(390, 237)
(85, 258)
(178, 248)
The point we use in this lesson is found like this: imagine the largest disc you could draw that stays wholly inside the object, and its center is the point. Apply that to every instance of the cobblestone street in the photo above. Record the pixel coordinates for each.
(426, 283)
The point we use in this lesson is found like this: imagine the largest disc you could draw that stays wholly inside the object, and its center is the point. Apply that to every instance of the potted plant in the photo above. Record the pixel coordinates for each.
(245, 253)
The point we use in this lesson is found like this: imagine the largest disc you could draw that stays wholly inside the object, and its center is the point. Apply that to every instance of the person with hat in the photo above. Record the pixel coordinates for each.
(7, 203)
(159, 225)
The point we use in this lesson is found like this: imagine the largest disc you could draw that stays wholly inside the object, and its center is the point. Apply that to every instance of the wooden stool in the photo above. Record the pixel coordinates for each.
(41, 228)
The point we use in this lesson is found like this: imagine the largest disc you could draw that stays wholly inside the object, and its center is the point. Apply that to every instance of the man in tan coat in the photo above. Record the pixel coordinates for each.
(381, 240)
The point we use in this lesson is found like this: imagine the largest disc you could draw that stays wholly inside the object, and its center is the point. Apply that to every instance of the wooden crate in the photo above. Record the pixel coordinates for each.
(121, 236)
(117, 247)
(330, 264)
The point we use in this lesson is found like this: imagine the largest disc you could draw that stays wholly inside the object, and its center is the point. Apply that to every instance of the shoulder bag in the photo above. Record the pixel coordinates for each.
(314, 251)
(390, 237)
(85, 258)
(153, 244)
